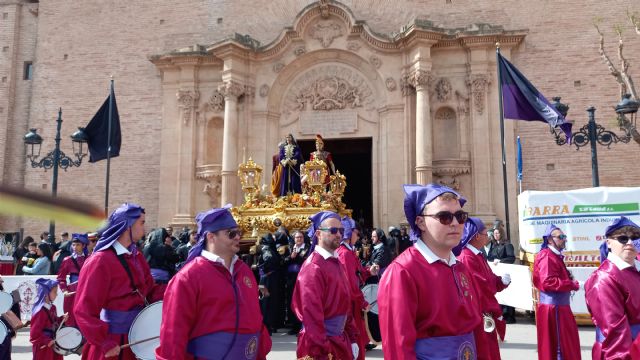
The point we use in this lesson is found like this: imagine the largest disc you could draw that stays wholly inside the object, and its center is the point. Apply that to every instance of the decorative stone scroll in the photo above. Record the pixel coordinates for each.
(420, 79)
(327, 88)
(375, 61)
(443, 90)
(216, 101)
(326, 31)
(278, 67)
(299, 50)
(264, 90)
(187, 102)
(390, 84)
(479, 83)
(231, 89)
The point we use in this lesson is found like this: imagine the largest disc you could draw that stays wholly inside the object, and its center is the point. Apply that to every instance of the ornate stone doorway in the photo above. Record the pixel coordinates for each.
(353, 158)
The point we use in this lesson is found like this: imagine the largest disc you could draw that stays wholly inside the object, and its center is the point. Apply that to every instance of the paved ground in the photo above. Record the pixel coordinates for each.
(520, 344)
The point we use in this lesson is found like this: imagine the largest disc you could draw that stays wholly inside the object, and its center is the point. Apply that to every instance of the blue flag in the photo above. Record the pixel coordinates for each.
(522, 101)
(519, 153)
(98, 131)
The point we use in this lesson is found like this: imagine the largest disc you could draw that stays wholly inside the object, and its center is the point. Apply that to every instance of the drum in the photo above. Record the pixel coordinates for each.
(13, 320)
(69, 341)
(145, 326)
(371, 321)
(3, 332)
(6, 302)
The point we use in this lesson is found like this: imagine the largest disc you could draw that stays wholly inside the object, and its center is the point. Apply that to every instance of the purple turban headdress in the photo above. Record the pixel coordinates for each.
(547, 234)
(84, 240)
(472, 227)
(616, 224)
(211, 221)
(316, 220)
(349, 224)
(119, 221)
(417, 197)
(44, 288)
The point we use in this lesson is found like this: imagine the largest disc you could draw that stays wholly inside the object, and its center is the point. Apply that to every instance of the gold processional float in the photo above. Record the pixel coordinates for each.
(262, 212)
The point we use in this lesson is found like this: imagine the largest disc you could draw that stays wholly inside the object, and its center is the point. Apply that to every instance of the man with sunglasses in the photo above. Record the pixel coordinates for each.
(612, 292)
(426, 301)
(322, 297)
(211, 308)
(555, 324)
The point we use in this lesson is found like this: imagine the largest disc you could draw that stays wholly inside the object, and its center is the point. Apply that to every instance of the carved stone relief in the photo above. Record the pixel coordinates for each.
(278, 67)
(479, 83)
(231, 89)
(375, 61)
(443, 90)
(448, 175)
(463, 104)
(264, 90)
(299, 50)
(420, 79)
(326, 31)
(390, 84)
(187, 102)
(216, 101)
(330, 87)
(353, 46)
(405, 86)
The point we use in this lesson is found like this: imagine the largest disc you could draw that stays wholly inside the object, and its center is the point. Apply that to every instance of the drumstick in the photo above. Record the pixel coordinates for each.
(138, 342)
(62, 322)
(70, 293)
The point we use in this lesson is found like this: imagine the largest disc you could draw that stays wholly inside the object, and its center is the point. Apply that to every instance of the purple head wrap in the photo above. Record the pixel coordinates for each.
(211, 221)
(547, 234)
(417, 197)
(472, 227)
(84, 240)
(348, 225)
(616, 224)
(119, 221)
(44, 288)
(316, 220)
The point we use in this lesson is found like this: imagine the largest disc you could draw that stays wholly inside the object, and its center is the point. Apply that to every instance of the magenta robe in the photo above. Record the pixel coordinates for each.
(551, 275)
(486, 284)
(613, 299)
(352, 267)
(39, 338)
(104, 284)
(200, 300)
(322, 292)
(419, 300)
(67, 268)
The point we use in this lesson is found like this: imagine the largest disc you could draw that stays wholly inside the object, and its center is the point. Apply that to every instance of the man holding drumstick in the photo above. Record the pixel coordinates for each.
(115, 284)
(211, 307)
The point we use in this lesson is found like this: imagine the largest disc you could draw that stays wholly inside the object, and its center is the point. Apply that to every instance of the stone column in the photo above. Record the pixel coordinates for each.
(420, 79)
(231, 91)
(481, 150)
(187, 103)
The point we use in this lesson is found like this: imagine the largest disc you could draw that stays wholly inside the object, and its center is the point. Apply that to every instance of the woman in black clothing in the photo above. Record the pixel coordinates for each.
(160, 255)
(503, 251)
(269, 265)
(20, 253)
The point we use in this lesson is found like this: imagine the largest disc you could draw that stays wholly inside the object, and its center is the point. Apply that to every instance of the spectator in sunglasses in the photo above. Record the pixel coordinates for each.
(426, 301)
(612, 293)
(555, 324)
(322, 296)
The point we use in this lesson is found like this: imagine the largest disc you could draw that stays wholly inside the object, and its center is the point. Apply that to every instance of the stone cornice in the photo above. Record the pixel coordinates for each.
(418, 33)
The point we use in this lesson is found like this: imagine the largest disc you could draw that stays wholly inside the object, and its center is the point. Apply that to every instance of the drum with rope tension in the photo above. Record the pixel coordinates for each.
(371, 320)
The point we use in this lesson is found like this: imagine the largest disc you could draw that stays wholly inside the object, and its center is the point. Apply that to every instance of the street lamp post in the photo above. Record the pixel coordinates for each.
(593, 133)
(55, 159)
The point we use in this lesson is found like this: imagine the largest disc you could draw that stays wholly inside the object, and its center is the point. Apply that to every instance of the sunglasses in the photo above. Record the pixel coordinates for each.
(624, 239)
(561, 237)
(233, 233)
(333, 230)
(446, 217)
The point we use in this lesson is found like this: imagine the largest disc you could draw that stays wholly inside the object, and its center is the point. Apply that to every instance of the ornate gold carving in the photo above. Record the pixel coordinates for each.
(187, 101)
(329, 88)
(479, 83)
(326, 31)
(443, 90)
(390, 84)
(216, 101)
(375, 61)
(231, 90)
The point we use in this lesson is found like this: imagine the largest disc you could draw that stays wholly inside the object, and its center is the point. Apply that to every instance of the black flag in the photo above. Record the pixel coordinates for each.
(98, 131)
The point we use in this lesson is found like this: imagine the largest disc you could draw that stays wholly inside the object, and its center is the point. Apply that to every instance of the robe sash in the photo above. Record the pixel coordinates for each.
(214, 346)
(555, 298)
(446, 347)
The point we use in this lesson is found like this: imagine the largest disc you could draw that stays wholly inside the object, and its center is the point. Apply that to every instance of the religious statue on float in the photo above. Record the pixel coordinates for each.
(286, 173)
(321, 154)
